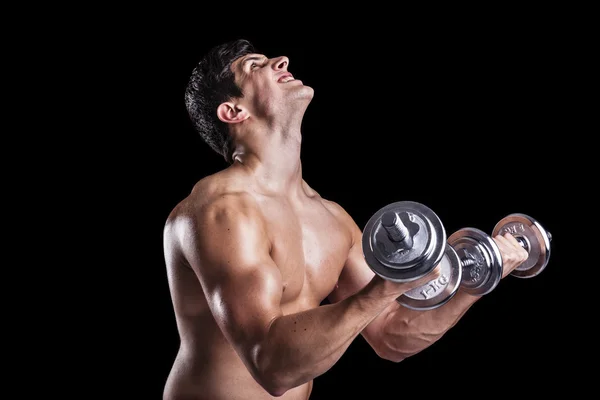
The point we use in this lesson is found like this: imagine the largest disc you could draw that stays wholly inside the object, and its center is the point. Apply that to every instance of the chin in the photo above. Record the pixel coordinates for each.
(305, 92)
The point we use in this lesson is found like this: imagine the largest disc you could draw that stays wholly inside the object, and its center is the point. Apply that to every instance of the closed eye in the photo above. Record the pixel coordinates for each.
(258, 65)
(254, 61)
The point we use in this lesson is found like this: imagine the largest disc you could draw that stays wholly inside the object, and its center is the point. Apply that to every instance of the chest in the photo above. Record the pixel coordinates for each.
(310, 246)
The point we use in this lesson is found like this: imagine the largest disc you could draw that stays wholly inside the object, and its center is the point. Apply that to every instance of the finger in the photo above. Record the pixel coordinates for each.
(512, 240)
(507, 248)
(512, 253)
(519, 250)
(502, 243)
(507, 252)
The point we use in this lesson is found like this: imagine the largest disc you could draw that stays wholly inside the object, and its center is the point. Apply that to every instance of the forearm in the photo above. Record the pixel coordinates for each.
(302, 346)
(405, 332)
(400, 332)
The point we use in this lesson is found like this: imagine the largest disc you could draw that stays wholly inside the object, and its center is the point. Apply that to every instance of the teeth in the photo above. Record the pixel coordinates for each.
(287, 79)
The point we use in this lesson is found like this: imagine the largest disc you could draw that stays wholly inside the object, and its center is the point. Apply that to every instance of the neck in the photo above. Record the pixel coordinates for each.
(273, 158)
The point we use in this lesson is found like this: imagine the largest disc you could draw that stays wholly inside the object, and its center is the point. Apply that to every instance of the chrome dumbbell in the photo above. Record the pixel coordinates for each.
(480, 260)
(406, 240)
(480, 257)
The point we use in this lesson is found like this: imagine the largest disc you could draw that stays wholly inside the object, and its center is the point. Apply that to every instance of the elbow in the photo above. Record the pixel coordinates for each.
(272, 384)
(270, 376)
(276, 392)
(390, 355)
(388, 352)
(394, 357)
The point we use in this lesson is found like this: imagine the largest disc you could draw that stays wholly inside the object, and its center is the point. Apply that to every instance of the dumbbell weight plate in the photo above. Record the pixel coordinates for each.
(439, 291)
(403, 264)
(480, 258)
(537, 238)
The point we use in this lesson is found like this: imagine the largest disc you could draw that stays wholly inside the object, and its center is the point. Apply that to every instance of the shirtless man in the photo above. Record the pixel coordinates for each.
(253, 251)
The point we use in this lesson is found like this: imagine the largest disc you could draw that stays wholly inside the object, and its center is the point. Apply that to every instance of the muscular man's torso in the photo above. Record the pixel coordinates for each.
(310, 244)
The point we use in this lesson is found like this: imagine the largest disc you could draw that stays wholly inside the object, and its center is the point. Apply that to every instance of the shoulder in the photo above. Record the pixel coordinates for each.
(218, 199)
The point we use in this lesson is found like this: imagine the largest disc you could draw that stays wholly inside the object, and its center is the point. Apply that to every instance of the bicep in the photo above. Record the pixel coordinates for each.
(355, 275)
(230, 254)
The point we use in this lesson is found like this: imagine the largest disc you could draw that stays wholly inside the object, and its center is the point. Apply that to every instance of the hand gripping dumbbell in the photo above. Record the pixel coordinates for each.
(400, 243)
(405, 241)
(480, 258)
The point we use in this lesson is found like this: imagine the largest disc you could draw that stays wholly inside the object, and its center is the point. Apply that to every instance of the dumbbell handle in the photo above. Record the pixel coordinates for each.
(523, 243)
(396, 230)
(467, 262)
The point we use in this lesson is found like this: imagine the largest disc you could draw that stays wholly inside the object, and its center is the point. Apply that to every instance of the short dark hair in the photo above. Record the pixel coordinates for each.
(212, 83)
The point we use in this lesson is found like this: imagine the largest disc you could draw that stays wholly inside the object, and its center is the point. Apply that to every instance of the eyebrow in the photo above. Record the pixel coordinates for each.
(251, 58)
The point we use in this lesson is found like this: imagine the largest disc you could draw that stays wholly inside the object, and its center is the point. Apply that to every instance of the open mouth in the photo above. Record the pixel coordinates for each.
(285, 78)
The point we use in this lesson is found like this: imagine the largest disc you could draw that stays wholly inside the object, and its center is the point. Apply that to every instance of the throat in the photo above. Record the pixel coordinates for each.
(274, 175)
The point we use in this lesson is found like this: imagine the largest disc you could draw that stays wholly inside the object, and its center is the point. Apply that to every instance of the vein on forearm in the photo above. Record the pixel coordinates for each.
(407, 332)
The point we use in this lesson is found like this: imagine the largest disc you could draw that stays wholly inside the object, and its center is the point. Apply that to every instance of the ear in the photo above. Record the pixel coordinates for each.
(231, 113)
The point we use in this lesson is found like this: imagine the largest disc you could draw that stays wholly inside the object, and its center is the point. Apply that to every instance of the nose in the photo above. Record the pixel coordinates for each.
(281, 63)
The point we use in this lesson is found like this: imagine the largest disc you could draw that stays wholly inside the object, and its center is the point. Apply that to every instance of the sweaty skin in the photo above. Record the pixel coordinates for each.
(252, 252)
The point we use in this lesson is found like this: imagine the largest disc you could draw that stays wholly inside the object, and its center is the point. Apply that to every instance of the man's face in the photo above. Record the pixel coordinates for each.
(269, 88)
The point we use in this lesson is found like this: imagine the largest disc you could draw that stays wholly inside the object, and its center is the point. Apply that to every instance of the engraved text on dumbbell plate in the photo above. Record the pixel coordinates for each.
(435, 286)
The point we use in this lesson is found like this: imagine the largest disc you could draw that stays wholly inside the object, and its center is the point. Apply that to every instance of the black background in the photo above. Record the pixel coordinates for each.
(474, 123)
